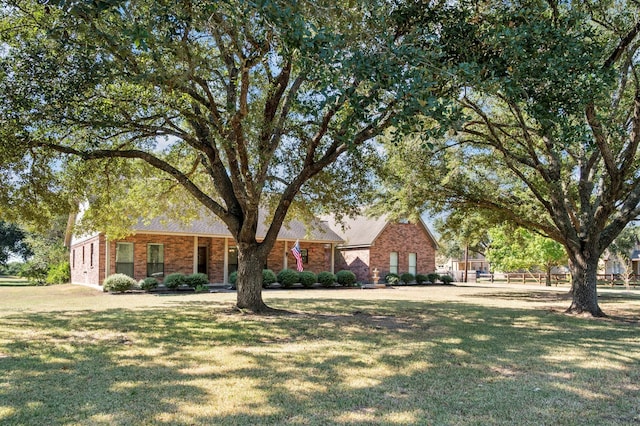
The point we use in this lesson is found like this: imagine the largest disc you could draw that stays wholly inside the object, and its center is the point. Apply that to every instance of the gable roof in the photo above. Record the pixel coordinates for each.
(362, 231)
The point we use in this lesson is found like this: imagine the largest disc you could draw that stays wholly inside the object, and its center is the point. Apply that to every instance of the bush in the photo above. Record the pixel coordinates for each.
(308, 278)
(288, 277)
(446, 279)
(392, 279)
(421, 279)
(326, 279)
(346, 278)
(148, 284)
(268, 277)
(59, 274)
(233, 277)
(175, 280)
(118, 283)
(407, 278)
(195, 280)
(433, 277)
(35, 272)
(201, 289)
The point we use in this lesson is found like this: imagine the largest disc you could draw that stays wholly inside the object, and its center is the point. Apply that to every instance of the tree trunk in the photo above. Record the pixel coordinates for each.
(249, 282)
(583, 285)
(548, 277)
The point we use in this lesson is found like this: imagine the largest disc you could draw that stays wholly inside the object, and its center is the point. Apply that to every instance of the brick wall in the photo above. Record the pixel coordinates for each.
(403, 238)
(87, 261)
(355, 260)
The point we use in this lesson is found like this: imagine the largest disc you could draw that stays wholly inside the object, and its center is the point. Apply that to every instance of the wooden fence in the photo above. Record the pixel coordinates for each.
(611, 280)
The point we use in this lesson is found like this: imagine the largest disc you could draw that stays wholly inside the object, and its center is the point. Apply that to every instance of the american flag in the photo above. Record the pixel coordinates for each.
(298, 255)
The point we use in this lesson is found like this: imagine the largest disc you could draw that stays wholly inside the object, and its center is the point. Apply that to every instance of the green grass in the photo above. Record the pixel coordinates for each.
(11, 281)
(433, 355)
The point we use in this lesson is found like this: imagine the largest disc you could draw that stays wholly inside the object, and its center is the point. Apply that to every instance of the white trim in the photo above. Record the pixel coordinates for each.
(107, 258)
(225, 266)
(195, 254)
(285, 262)
(333, 258)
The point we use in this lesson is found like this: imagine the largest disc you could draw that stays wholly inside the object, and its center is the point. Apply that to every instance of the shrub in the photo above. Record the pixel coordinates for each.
(175, 280)
(233, 277)
(392, 279)
(59, 274)
(268, 277)
(195, 280)
(407, 278)
(345, 278)
(308, 278)
(446, 279)
(433, 277)
(201, 288)
(421, 279)
(148, 284)
(118, 283)
(326, 279)
(288, 277)
(35, 272)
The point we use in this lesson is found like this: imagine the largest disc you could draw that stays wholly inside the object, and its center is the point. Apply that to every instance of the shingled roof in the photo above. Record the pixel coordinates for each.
(211, 226)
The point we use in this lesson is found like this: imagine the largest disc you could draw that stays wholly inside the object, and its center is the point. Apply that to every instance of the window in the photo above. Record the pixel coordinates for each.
(83, 255)
(73, 258)
(413, 261)
(91, 255)
(304, 253)
(124, 258)
(155, 260)
(393, 262)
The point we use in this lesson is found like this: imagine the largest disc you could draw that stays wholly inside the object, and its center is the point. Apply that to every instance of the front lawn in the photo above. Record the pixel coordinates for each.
(448, 355)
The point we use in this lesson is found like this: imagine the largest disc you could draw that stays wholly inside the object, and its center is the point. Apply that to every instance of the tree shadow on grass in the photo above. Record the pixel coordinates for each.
(331, 362)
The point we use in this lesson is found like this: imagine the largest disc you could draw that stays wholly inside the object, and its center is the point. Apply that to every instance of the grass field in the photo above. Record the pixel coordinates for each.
(11, 281)
(428, 356)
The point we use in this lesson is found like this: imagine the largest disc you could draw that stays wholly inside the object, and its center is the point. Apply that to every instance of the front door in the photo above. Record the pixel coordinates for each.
(202, 260)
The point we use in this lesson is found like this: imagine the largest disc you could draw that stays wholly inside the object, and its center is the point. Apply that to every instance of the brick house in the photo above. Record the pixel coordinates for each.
(161, 247)
(385, 245)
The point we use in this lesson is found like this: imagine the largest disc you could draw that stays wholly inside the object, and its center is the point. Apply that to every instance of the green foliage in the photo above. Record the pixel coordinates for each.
(326, 279)
(59, 274)
(118, 283)
(195, 280)
(421, 278)
(433, 277)
(268, 277)
(308, 278)
(407, 278)
(148, 284)
(11, 268)
(519, 249)
(392, 279)
(346, 278)
(201, 288)
(288, 277)
(446, 279)
(233, 277)
(35, 272)
(175, 280)
(12, 242)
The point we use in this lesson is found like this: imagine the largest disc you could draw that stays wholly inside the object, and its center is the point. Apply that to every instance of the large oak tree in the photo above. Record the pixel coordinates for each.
(551, 95)
(242, 104)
